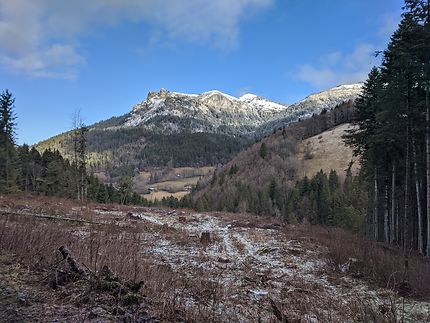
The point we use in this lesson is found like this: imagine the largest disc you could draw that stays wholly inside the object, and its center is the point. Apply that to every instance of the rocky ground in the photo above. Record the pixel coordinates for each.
(195, 267)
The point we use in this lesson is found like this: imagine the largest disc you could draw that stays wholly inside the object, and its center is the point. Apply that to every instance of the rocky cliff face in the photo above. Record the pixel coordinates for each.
(328, 99)
(217, 112)
(212, 112)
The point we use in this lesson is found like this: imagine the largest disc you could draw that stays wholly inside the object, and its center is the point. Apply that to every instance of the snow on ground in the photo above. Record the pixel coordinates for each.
(250, 264)
(253, 265)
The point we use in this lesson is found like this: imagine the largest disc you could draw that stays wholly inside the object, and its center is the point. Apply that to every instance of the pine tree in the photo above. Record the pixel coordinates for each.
(392, 133)
(8, 158)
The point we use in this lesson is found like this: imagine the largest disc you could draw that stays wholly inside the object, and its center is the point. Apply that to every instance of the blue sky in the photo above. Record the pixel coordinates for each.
(103, 56)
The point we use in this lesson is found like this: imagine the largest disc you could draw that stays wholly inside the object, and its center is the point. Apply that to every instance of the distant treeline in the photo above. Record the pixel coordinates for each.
(121, 149)
(52, 175)
(24, 169)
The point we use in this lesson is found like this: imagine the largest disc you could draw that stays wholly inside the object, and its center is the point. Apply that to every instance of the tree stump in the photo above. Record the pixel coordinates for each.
(74, 265)
(205, 238)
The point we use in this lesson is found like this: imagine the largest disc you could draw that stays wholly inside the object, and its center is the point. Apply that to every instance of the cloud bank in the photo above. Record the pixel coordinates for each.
(40, 37)
(348, 67)
(340, 68)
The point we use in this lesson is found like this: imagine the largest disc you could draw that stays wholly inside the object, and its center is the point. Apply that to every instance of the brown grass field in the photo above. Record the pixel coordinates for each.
(327, 152)
(251, 269)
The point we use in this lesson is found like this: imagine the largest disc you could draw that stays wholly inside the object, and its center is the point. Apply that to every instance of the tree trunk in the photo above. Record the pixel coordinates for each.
(75, 266)
(386, 235)
(406, 209)
(375, 209)
(428, 165)
(393, 204)
(427, 67)
(7, 168)
(418, 197)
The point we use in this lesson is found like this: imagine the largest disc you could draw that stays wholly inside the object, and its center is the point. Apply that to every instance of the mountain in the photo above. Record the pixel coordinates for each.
(191, 129)
(209, 112)
(314, 104)
(247, 183)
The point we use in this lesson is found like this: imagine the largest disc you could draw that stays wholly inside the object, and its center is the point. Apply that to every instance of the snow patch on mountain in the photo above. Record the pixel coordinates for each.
(217, 112)
(258, 102)
(330, 98)
(211, 111)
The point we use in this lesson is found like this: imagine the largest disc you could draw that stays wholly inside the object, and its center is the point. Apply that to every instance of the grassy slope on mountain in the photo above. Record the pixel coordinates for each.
(327, 151)
(260, 178)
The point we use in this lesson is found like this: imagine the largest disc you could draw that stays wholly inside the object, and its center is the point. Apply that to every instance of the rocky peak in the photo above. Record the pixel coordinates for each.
(215, 111)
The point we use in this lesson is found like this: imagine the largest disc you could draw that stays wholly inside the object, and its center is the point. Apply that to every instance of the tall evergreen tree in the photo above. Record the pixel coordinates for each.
(8, 160)
(392, 133)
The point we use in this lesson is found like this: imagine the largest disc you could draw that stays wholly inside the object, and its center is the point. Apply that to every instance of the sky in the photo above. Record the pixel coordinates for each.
(101, 57)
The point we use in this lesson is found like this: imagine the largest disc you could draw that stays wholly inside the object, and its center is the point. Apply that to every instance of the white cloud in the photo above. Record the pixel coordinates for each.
(32, 32)
(331, 58)
(57, 61)
(340, 68)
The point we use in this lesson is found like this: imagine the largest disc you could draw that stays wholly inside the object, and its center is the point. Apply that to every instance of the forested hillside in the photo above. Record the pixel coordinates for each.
(262, 178)
(178, 129)
(390, 198)
(120, 151)
(393, 134)
(24, 169)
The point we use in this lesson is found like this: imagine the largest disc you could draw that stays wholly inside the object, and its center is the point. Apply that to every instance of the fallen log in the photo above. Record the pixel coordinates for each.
(51, 217)
(75, 266)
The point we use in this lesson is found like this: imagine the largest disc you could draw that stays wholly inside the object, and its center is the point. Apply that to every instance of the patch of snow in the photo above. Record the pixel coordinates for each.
(149, 219)
(113, 213)
(259, 292)
(206, 95)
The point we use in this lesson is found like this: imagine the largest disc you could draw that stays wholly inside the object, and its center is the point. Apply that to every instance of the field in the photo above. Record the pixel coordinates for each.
(176, 185)
(176, 182)
(159, 195)
(193, 267)
(327, 151)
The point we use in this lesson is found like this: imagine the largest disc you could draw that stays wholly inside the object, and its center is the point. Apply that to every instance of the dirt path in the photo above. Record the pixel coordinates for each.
(255, 265)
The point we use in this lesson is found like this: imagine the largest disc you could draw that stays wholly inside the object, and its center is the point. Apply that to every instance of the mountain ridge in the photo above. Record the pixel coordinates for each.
(167, 125)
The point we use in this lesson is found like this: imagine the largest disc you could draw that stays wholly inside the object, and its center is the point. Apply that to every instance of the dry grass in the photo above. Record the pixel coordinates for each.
(35, 242)
(159, 195)
(177, 184)
(187, 281)
(173, 180)
(327, 151)
(378, 263)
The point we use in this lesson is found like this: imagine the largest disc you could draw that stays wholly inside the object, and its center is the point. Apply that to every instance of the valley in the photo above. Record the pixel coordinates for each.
(189, 130)
(176, 182)
(215, 161)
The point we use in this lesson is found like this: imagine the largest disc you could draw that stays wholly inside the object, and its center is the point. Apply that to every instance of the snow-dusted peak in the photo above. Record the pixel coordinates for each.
(219, 112)
(340, 91)
(248, 97)
(330, 98)
(215, 93)
(258, 102)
